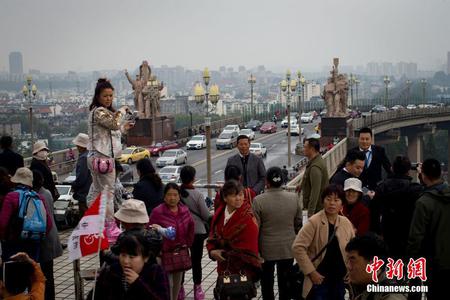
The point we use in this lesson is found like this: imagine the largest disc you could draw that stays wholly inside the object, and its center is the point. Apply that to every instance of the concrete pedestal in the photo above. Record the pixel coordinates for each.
(334, 127)
(141, 134)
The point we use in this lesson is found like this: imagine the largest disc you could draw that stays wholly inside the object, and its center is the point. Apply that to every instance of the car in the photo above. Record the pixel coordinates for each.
(248, 132)
(411, 106)
(268, 127)
(253, 125)
(66, 210)
(196, 142)
(127, 174)
(227, 140)
(170, 174)
(159, 148)
(397, 107)
(307, 117)
(323, 113)
(379, 109)
(231, 128)
(172, 157)
(258, 149)
(295, 129)
(133, 154)
(284, 123)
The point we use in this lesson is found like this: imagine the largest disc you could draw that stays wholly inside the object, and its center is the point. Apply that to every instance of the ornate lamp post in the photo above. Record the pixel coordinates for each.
(302, 82)
(252, 81)
(29, 91)
(203, 95)
(386, 95)
(423, 82)
(408, 91)
(288, 86)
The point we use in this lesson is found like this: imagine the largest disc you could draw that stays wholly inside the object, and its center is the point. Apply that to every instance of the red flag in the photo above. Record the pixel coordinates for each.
(85, 238)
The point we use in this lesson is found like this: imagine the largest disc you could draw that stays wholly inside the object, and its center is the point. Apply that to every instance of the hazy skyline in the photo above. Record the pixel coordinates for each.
(83, 35)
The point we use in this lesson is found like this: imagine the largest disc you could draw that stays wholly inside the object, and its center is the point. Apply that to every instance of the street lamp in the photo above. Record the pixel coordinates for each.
(204, 95)
(252, 81)
(302, 82)
(408, 91)
(357, 82)
(386, 95)
(423, 82)
(29, 91)
(288, 86)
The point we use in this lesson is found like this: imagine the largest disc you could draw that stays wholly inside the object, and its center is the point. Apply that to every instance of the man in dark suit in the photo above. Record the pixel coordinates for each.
(251, 166)
(8, 158)
(353, 167)
(376, 158)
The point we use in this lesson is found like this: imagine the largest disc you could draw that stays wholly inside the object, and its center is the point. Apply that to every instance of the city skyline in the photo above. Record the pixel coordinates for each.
(84, 35)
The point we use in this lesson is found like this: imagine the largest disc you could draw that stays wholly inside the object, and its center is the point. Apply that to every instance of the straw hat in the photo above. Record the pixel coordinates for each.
(81, 140)
(23, 176)
(132, 211)
(353, 184)
(38, 146)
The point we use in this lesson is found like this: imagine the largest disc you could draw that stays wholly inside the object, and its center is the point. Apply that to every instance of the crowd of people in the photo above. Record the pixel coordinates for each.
(355, 217)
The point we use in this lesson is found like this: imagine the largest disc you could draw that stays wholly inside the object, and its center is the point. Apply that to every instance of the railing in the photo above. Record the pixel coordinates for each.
(375, 120)
(60, 162)
(332, 158)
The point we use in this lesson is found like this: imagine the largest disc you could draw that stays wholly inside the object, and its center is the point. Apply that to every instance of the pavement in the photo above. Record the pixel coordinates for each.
(64, 282)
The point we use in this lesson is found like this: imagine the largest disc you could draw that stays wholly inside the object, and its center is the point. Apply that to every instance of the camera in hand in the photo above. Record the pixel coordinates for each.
(414, 166)
(131, 116)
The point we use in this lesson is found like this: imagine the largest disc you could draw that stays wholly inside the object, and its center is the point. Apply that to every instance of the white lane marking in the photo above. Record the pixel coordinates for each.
(219, 171)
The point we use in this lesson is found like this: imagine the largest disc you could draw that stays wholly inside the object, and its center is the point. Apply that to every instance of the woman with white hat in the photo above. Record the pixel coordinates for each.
(39, 163)
(354, 209)
(83, 179)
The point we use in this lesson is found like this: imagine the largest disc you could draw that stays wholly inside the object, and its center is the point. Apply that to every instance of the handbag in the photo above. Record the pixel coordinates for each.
(297, 277)
(234, 286)
(102, 165)
(177, 260)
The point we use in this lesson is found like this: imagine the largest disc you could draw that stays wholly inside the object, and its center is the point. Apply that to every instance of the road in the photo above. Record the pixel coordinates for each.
(276, 144)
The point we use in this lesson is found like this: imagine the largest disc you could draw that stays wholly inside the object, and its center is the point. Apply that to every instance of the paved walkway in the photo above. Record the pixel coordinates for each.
(64, 283)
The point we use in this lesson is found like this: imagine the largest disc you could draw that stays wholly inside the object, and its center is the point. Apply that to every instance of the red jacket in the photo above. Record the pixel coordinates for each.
(182, 222)
(239, 239)
(9, 226)
(359, 215)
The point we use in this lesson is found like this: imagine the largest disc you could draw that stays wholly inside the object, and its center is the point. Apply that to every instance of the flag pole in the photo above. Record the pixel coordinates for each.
(103, 201)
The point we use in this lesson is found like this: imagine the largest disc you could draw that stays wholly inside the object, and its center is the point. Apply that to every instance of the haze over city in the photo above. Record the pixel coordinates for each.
(57, 36)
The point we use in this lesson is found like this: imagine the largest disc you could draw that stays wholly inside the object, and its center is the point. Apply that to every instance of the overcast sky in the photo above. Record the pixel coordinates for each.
(84, 35)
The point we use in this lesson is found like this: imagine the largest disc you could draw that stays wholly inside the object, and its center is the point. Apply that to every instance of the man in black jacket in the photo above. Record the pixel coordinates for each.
(375, 159)
(392, 207)
(8, 158)
(353, 167)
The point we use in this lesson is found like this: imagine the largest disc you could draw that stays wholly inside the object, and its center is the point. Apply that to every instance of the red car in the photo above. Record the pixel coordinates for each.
(268, 127)
(159, 148)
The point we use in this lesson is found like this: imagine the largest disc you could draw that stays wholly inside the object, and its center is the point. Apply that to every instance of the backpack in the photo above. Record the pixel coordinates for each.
(32, 215)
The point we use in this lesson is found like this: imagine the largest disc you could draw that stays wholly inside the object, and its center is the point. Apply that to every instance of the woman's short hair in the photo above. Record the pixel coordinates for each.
(102, 84)
(274, 176)
(231, 187)
(335, 189)
(172, 186)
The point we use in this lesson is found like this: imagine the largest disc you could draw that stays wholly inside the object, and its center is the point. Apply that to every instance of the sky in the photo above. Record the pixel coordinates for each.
(86, 35)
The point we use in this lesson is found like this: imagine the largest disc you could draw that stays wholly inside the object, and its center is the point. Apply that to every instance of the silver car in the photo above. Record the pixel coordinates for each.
(172, 157)
(170, 174)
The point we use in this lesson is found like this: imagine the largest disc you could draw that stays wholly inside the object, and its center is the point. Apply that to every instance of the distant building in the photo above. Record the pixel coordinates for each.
(312, 90)
(11, 129)
(448, 62)
(15, 65)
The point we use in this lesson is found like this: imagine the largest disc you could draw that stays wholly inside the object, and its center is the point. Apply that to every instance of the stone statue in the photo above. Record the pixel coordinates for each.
(335, 93)
(147, 94)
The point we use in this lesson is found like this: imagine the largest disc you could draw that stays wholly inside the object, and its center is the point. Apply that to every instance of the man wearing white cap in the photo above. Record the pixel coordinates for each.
(83, 178)
(39, 163)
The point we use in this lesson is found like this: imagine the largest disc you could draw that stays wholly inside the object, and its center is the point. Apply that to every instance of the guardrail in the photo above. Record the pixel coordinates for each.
(378, 119)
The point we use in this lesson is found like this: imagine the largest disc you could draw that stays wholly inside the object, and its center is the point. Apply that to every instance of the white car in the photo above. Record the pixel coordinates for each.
(248, 132)
(170, 174)
(258, 149)
(71, 178)
(231, 128)
(295, 130)
(196, 142)
(66, 210)
(411, 106)
(172, 157)
(307, 117)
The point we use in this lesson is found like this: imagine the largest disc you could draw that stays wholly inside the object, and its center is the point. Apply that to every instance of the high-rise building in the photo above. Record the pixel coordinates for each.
(15, 64)
(448, 62)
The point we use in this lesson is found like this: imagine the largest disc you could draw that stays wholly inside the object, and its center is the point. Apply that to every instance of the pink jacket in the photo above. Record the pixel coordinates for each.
(181, 221)
(9, 227)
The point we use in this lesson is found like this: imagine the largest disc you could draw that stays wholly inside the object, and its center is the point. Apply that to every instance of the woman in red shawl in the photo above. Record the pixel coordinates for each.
(233, 238)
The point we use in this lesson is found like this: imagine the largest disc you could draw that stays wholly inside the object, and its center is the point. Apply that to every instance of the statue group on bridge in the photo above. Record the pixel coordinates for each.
(335, 93)
(147, 92)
